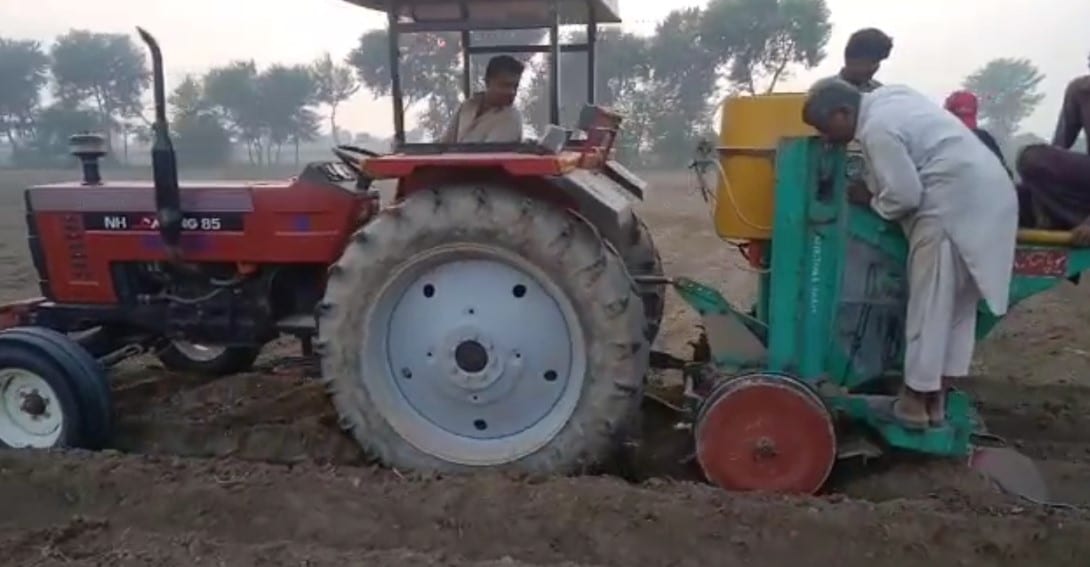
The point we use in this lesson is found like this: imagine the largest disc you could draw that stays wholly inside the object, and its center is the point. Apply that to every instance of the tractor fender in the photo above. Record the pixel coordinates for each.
(596, 195)
(602, 201)
(625, 178)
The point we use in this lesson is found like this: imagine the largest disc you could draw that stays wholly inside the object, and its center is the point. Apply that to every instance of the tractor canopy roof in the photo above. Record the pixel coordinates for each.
(496, 14)
(467, 16)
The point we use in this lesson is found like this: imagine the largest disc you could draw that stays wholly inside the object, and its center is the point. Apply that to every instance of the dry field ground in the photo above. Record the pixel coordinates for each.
(251, 470)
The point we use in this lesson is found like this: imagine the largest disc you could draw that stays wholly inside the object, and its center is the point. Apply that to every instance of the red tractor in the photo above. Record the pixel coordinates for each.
(488, 317)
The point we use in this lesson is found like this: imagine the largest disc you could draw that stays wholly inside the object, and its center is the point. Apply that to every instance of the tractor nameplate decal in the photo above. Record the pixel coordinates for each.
(142, 222)
(1040, 262)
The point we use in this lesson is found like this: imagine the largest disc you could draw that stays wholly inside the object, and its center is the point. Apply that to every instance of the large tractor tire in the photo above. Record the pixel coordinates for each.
(642, 259)
(207, 360)
(472, 327)
(53, 394)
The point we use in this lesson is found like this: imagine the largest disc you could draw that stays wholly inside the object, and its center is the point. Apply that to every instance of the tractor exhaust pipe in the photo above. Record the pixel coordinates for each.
(164, 166)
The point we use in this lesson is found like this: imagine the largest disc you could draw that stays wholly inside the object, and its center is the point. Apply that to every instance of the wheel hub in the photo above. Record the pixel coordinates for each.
(485, 355)
(764, 449)
(470, 356)
(34, 404)
(29, 413)
(471, 361)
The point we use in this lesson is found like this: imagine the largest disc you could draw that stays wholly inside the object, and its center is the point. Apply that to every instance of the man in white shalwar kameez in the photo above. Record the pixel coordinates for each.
(959, 211)
(490, 116)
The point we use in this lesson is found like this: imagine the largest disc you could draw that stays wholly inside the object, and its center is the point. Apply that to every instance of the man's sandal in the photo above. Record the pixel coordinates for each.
(894, 413)
(936, 408)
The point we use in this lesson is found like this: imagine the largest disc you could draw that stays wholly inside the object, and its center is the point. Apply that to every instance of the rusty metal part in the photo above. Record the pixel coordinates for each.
(765, 433)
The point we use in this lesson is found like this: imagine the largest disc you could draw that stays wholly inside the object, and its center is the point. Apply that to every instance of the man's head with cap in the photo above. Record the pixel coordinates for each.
(963, 104)
(832, 107)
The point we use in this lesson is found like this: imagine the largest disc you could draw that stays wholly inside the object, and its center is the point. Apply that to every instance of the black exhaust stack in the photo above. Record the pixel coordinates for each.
(164, 166)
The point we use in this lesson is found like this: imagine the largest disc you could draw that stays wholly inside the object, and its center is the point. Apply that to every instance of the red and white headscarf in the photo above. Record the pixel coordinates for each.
(963, 104)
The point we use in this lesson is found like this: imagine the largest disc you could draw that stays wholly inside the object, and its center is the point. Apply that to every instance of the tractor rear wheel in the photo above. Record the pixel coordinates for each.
(53, 394)
(642, 259)
(207, 360)
(473, 327)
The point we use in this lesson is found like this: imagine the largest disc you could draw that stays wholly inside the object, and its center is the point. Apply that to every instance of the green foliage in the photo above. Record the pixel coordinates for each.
(106, 72)
(23, 73)
(52, 128)
(201, 140)
(284, 95)
(334, 84)
(650, 81)
(662, 84)
(683, 82)
(1007, 89)
(622, 69)
(200, 137)
(188, 98)
(665, 84)
(231, 91)
(264, 110)
(759, 40)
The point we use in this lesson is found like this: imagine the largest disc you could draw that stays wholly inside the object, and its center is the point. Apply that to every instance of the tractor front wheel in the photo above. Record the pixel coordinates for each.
(473, 327)
(53, 394)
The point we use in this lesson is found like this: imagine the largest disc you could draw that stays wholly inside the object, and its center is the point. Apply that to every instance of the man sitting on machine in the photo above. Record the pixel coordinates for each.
(958, 209)
(490, 116)
(1055, 190)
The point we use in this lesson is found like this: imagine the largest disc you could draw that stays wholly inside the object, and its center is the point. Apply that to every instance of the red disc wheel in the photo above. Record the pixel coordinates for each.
(765, 433)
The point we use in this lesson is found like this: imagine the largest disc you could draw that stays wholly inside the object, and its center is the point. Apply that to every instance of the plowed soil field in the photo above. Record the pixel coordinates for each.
(252, 469)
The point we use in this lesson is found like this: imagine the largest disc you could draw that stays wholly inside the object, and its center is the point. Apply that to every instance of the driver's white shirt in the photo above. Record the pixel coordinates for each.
(495, 125)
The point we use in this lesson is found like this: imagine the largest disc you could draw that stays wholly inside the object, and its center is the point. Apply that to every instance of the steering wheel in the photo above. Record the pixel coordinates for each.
(350, 156)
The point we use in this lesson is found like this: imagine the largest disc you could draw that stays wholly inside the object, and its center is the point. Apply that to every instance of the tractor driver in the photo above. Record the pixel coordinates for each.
(959, 212)
(490, 116)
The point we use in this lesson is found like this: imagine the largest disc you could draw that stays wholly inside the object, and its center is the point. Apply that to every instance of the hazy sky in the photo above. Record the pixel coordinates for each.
(936, 42)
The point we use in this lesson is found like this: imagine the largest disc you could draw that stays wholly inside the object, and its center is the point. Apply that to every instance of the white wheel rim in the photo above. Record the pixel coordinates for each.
(530, 363)
(30, 412)
(197, 352)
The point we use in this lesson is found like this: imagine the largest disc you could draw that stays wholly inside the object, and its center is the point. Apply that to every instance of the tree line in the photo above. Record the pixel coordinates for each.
(88, 81)
(665, 83)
